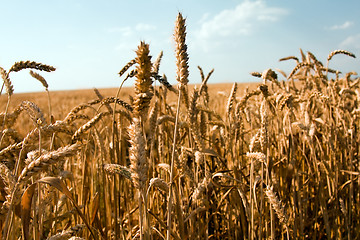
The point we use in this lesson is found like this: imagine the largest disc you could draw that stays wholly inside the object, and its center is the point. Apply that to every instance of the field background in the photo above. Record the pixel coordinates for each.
(63, 101)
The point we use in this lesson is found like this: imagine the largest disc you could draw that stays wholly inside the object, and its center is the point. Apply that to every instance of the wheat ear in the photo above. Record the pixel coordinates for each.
(139, 168)
(126, 67)
(7, 82)
(231, 100)
(298, 66)
(40, 79)
(68, 234)
(277, 205)
(333, 53)
(45, 160)
(18, 66)
(182, 58)
(156, 64)
(339, 51)
(289, 58)
(182, 77)
(34, 112)
(118, 169)
(163, 80)
(138, 161)
(143, 82)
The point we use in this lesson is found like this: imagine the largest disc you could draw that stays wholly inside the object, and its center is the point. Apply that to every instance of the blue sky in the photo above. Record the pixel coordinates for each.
(90, 41)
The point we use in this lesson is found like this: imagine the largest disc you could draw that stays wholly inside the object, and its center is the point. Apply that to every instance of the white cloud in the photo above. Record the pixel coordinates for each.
(125, 31)
(144, 27)
(131, 30)
(124, 46)
(345, 25)
(240, 20)
(131, 35)
(351, 42)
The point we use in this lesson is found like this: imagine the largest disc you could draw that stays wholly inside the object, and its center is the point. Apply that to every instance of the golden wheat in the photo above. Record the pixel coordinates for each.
(277, 160)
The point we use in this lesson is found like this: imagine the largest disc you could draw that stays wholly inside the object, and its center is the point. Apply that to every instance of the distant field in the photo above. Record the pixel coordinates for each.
(63, 101)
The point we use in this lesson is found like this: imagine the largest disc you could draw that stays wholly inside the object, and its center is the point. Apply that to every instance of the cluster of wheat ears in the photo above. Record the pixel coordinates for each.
(281, 161)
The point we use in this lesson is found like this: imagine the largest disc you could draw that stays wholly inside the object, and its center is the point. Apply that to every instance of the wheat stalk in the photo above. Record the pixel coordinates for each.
(139, 167)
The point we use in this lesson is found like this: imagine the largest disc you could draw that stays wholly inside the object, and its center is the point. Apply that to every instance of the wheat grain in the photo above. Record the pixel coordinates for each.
(317, 62)
(156, 64)
(289, 58)
(256, 74)
(137, 155)
(68, 234)
(269, 74)
(34, 112)
(181, 50)
(298, 66)
(339, 51)
(143, 93)
(204, 88)
(40, 79)
(18, 66)
(9, 182)
(153, 115)
(277, 205)
(193, 122)
(159, 183)
(231, 100)
(163, 81)
(33, 155)
(259, 156)
(200, 189)
(118, 169)
(44, 161)
(212, 113)
(87, 126)
(164, 166)
(10, 118)
(122, 103)
(7, 82)
(126, 67)
(185, 168)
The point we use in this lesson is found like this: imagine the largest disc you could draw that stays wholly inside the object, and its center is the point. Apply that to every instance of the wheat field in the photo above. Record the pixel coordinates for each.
(277, 159)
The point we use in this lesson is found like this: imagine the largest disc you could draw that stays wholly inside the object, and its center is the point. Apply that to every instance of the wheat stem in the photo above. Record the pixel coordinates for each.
(170, 198)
